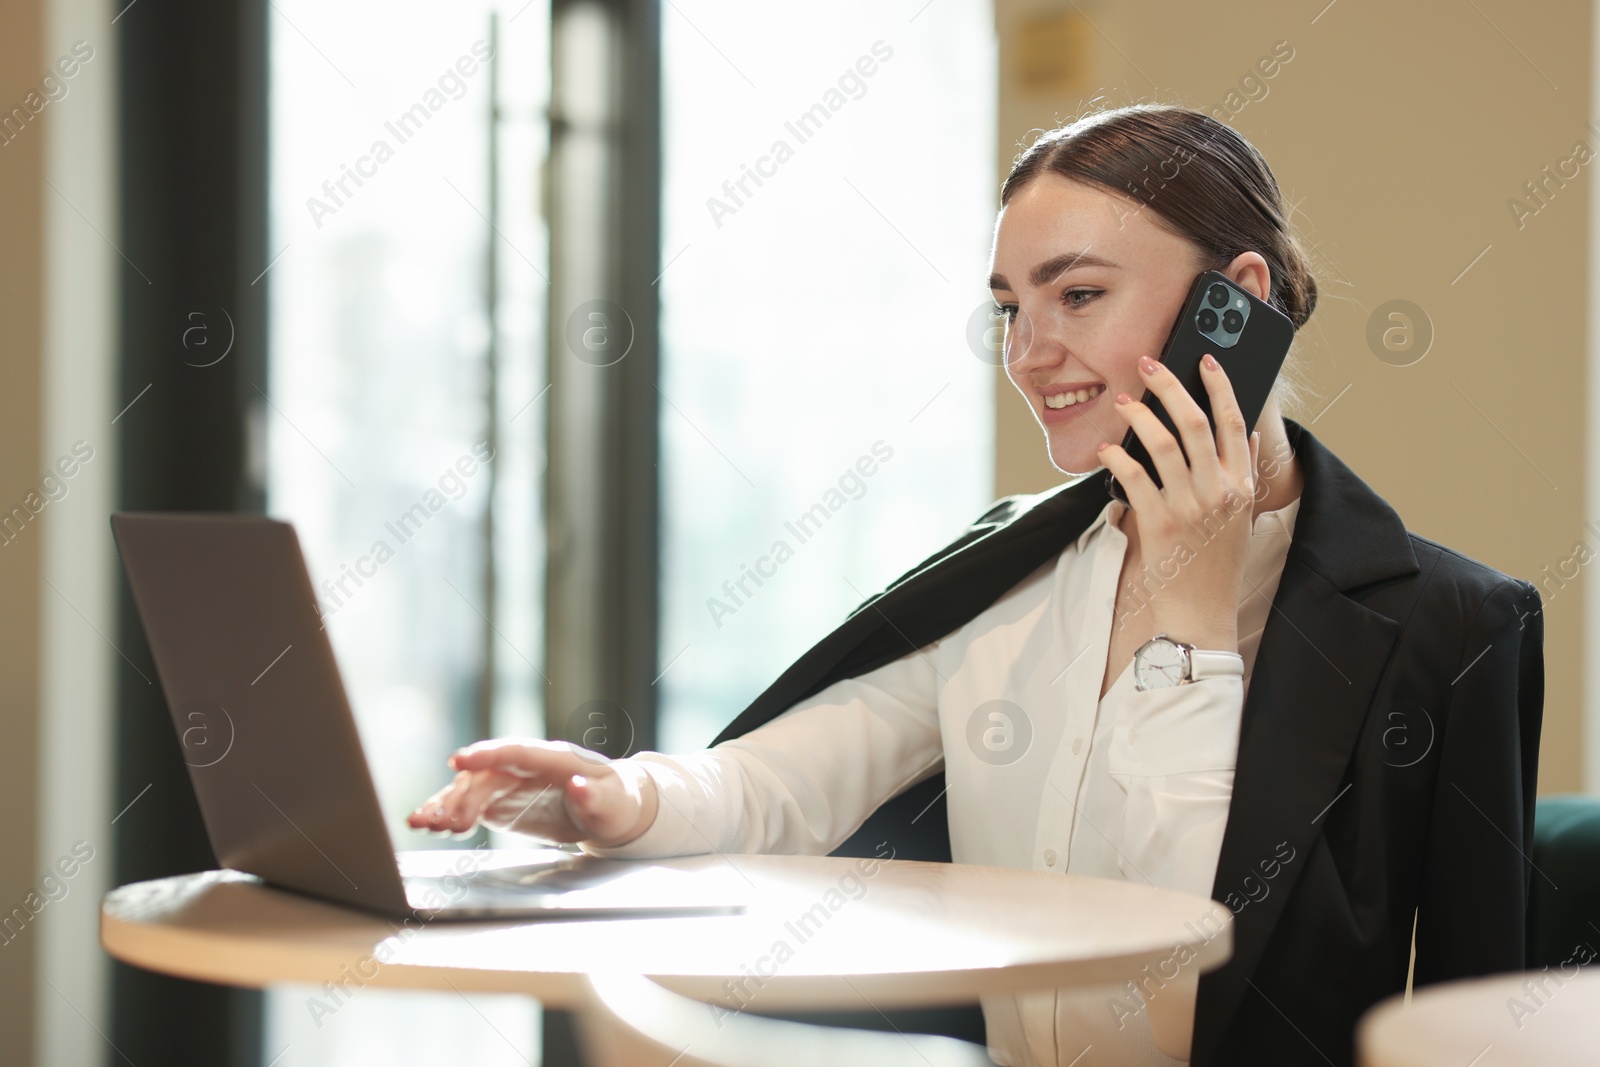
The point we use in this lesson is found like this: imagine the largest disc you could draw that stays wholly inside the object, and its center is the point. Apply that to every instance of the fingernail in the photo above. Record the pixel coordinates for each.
(579, 780)
(1147, 364)
(1123, 398)
(1102, 446)
(1210, 361)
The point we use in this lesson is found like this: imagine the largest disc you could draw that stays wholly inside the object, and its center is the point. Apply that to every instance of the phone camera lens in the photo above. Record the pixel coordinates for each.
(1218, 295)
(1232, 321)
(1207, 320)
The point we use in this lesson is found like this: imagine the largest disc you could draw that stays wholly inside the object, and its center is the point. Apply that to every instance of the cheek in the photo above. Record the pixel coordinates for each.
(1112, 353)
(1121, 352)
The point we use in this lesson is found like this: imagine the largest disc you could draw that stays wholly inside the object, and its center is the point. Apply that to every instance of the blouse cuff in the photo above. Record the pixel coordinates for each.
(1179, 729)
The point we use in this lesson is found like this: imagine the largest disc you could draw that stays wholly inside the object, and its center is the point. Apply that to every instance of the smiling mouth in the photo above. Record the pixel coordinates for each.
(1056, 401)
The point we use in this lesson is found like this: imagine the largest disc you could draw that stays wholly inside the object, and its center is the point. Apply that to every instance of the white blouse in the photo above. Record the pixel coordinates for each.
(1042, 772)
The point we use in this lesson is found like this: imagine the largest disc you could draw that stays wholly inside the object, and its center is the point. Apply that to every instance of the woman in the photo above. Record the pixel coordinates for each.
(1378, 780)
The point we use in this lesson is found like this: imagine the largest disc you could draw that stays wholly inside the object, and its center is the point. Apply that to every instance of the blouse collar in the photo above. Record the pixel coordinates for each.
(1278, 520)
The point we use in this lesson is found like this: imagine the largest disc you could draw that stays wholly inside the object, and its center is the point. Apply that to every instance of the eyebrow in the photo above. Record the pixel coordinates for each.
(1054, 266)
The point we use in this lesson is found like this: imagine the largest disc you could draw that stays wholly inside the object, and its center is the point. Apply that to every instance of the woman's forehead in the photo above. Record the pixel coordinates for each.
(1052, 216)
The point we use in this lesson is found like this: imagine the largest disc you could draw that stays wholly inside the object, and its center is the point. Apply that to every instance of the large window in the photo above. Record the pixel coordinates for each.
(828, 203)
(383, 449)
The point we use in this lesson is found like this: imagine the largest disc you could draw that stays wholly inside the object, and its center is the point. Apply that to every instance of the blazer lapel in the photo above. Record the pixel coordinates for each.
(1319, 661)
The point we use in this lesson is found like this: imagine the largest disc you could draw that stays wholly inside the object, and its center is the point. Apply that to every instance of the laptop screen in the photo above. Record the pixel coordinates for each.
(261, 715)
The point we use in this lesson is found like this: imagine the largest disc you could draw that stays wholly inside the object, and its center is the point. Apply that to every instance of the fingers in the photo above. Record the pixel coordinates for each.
(455, 808)
(1255, 461)
(431, 814)
(530, 757)
(1192, 424)
(1231, 432)
(1176, 481)
(1141, 491)
(547, 789)
(1217, 459)
(465, 806)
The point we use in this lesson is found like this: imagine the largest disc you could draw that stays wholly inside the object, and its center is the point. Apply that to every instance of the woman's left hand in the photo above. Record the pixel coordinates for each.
(1196, 525)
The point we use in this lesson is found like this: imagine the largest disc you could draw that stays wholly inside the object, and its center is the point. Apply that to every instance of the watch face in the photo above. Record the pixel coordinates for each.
(1159, 663)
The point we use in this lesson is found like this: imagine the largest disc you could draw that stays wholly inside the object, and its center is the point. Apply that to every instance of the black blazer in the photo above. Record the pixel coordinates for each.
(1386, 768)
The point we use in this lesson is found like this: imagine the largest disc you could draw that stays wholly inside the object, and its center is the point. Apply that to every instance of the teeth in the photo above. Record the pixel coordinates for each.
(1060, 400)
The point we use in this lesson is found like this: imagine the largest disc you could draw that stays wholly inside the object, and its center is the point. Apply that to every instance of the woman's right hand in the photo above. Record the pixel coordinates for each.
(548, 789)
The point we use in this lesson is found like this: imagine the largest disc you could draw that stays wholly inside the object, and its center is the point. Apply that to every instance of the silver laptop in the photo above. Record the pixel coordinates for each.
(276, 762)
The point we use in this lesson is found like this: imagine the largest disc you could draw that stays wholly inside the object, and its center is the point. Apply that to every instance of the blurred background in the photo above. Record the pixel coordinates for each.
(677, 267)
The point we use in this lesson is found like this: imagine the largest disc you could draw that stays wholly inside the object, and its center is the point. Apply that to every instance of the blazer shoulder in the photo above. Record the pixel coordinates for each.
(1454, 579)
(1008, 508)
(999, 514)
(1004, 510)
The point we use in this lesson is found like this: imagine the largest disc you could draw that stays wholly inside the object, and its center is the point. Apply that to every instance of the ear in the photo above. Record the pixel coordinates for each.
(1250, 270)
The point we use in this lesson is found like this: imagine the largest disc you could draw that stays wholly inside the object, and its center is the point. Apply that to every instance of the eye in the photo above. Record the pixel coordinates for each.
(1069, 298)
(1008, 310)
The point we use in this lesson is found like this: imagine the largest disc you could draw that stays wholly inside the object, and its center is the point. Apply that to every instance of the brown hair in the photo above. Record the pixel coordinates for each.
(1204, 182)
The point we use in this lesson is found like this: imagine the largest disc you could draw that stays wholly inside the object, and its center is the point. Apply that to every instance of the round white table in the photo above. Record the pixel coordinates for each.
(1548, 1018)
(819, 934)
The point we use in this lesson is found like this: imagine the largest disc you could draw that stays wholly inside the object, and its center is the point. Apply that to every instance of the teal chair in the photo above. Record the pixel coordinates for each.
(1564, 923)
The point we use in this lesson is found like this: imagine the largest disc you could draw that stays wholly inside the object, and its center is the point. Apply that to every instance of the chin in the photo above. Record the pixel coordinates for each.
(1074, 464)
(1072, 457)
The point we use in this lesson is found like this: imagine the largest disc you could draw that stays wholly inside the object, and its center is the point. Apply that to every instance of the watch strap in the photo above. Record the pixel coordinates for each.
(1211, 663)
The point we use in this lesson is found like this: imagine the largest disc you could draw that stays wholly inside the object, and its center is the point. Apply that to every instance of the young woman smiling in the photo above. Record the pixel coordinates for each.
(1320, 768)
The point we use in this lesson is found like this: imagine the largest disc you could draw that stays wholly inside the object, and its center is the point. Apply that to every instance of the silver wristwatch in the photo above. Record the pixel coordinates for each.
(1162, 662)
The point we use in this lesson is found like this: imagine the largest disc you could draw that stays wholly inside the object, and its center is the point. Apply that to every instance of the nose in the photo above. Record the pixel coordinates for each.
(1030, 348)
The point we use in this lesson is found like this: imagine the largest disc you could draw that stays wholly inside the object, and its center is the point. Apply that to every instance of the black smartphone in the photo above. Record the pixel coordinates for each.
(1248, 336)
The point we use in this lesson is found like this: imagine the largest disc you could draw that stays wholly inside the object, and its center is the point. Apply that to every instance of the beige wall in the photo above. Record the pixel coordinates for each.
(1399, 132)
(21, 289)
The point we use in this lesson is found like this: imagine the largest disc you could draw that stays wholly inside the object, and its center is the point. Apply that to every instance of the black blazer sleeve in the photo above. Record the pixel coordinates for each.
(1477, 865)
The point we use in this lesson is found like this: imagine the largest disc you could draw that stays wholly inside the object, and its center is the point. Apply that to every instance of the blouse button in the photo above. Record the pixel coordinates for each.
(1049, 857)
(1077, 745)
